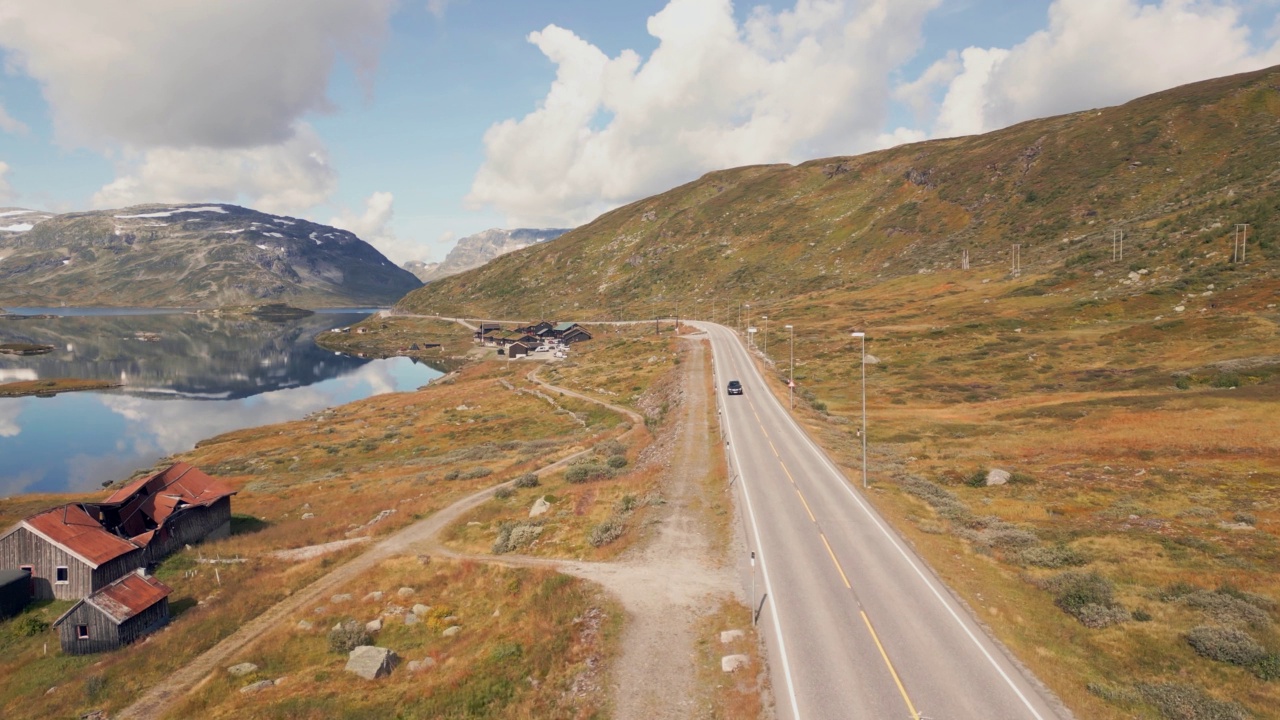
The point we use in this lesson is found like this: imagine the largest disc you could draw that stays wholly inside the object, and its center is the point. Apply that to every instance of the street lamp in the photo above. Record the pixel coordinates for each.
(766, 336)
(740, 306)
(791, 384)
(863, 432)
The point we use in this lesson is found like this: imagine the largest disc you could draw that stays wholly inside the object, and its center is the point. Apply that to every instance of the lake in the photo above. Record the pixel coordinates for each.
(187, 377)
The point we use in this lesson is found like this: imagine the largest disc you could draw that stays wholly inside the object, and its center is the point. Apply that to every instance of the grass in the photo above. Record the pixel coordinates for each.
(730, 696)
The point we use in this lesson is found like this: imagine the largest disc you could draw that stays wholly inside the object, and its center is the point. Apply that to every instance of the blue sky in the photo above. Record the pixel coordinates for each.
(377, 114)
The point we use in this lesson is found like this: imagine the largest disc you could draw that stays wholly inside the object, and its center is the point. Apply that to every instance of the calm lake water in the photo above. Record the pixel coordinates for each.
(187, 377)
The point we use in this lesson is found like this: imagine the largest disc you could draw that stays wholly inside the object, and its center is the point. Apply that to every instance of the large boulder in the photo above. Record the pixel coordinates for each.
(371, 662)
(997, 477)
(242, 669)
(540, 506)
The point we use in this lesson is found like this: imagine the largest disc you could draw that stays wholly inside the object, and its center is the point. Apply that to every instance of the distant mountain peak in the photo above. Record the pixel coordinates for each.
(476, 250)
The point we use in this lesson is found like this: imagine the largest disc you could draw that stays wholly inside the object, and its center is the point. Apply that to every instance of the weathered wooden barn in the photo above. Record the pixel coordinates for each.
(68, 552)
(75, 549)
(162, 512)
(115, 615)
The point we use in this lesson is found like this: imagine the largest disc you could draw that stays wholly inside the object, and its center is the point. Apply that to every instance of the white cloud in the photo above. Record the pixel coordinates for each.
(374, 227)
(185, 73)
(783, 86)
(284, 178)
(437, 7)
(10, 124)
(6, 190)
(1095, 54)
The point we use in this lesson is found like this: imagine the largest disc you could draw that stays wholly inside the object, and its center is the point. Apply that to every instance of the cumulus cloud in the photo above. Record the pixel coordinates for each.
(1091, 54)
(782, 86)
(184, 73)
(374, 227)
(283, 178)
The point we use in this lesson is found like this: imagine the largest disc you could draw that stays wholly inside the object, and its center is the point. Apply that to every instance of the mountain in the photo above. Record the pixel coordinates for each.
(189, 256)
(476, 250)
(1175, 171)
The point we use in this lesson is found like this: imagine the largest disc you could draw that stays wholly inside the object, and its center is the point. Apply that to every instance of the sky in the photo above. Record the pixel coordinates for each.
(416, 122)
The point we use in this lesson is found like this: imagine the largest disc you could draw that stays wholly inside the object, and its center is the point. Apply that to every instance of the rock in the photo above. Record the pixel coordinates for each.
(341, 598)
(308, 516)
(729, 663)
(452, 630)
(411, 619)
(729, 636)
(375, 596)
(51, 690)
(421, 609)
(320, 610)
(257, 687)
(242, 669)
(405, 592)
(305, 625)
(373, 626)
(1180, 308)
(451, 619)
(997, 476)
(393, 610)
(371, 662)
(497, 612)
(420, 665)
(872, 359)
(540, 506)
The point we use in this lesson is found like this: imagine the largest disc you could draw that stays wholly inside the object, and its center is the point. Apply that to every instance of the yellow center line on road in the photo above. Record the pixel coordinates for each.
(806, 509)
(833, 555)
(898, 681)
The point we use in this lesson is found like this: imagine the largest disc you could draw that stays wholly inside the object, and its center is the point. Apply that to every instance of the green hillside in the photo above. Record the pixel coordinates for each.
(1175, 171)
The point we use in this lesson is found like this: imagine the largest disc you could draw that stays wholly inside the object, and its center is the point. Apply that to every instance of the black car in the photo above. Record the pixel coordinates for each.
(735, 387)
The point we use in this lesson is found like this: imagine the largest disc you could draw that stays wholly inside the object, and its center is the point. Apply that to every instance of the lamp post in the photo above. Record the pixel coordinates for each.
(740, 306)
(791, 383)
(862, 337)
(766, 335)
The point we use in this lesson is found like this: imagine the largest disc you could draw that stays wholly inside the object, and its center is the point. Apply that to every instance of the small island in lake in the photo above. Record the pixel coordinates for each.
(52, 386)
(269, 311)
(24, 349)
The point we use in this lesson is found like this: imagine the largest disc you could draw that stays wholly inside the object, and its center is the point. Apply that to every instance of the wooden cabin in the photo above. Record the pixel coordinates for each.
(162, 512)
(115, 615)
(519, 349)
(572, 334)
(68, 552)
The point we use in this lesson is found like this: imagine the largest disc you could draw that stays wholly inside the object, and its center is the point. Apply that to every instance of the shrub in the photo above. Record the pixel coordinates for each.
(1141, 615)
(610, 447)
(453, 475)
(93, 687)
(504, 493)
(347, 636)
(587, 472)
(1088, 597)
(606, 532)
(1227, 609)
(30, 626)
(1225, 644)
(512, 536)
(977, 479)
(626, 504)
(617, 461)
(475, 473)
(1056, 556)
(1176, 701)
(527, 480)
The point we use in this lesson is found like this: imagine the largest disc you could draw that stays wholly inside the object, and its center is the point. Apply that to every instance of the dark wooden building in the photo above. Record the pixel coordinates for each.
(569, 333)
(68, 552)
(15, 592)
(115, 615)
(519, 349)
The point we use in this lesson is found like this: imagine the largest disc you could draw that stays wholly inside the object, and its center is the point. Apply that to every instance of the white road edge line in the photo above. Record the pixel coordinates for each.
(764, 567)
(844, 482)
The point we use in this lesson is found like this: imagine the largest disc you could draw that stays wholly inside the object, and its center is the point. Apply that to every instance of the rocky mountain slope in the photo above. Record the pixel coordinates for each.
(473, 251)
(1175, 172)
(189, 256)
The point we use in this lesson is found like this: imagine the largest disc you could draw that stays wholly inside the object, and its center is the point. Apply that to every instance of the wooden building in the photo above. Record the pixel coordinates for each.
(115, 615)
(519, 349)
(76, 549)
(569, 333)
(162, 512)
(15, 592)
(68, 552)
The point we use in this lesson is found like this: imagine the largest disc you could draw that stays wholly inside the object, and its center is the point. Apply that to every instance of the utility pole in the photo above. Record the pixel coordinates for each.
(964, 259)
(1117, 244)
(1015, 259)
(766, 336)
(1239, 242)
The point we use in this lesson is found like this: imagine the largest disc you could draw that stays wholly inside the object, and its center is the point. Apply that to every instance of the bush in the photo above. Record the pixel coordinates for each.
(626, 504)
(527, 480)
(1176, 701)
(606, 532)
(504, 493)
(475, 473)
(977, 479)
(617, 462)
(453, 475)
(512, 536)
(1225, 644)
(1057, 556)
(586, 472)
(30, 626)
(1088, 597)
(348, 636)
(1227, 609)
(610, 447)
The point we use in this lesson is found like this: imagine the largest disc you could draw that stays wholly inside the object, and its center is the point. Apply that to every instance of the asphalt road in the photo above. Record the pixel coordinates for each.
(856, 623)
